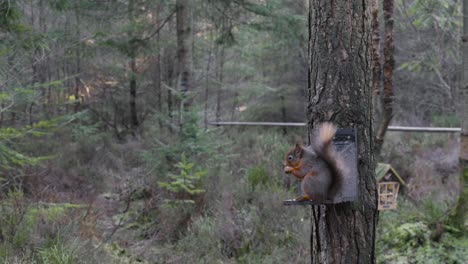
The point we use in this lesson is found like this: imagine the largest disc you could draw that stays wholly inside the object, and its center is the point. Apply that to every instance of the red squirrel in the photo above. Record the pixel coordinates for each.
(318, 166)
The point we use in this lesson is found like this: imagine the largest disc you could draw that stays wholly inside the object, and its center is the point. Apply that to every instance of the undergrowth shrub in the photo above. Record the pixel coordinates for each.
(18, 154)
(83, 152)
(40, 232)
(258, 175)
(58, 253)
(405, 235)
(244, 220)
(445, 120)
(179, 165)
(186, 183)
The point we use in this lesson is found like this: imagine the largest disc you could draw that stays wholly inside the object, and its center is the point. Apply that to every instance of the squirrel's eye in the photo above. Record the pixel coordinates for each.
(290, 157)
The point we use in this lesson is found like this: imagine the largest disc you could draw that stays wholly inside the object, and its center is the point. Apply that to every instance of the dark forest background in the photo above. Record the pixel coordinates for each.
(107, 154)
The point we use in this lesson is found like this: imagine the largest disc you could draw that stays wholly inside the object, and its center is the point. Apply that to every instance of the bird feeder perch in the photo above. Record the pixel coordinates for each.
(388, 186)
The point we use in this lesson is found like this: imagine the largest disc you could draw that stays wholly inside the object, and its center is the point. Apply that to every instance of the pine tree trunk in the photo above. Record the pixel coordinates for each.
(169, 58)
(388, 66)
(132, 64)
(34, 68)
(170, 81)
(207, 80)
(2, 106)
(220, 73)
(340, 91)
(133, 94)
(184, 49)
(42, 63)
(78, 61)
(459, 215)
(158, 63)
(376, 63)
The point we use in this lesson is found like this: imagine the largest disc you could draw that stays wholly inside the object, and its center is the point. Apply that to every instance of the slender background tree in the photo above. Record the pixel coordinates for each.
(459, 214)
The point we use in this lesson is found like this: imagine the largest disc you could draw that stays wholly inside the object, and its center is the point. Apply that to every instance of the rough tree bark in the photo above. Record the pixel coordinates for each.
(340, 91)
(459, 215)
(389, 63)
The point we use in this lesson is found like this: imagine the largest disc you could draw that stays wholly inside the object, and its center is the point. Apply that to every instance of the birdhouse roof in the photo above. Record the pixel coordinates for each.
(382, 169)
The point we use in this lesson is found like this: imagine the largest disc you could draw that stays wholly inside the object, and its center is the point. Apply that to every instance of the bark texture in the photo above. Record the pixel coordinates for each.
(340, 91)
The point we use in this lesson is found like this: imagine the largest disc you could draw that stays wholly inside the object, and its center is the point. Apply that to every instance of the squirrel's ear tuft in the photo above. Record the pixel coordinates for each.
(299, 150)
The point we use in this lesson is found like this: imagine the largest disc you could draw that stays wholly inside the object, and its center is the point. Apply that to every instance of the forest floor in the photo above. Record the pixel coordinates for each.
(118, 214)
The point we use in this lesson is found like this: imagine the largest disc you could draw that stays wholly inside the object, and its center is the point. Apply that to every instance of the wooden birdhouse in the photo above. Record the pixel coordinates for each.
(388, 186)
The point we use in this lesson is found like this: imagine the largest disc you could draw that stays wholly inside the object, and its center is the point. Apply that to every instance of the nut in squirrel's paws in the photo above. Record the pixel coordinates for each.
(288, 169)
(302, 198)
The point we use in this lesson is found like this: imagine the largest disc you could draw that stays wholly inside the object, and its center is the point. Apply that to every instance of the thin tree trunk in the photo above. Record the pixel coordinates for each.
(49, 88)
(2, 106)
(184, 55)
(184, 50)
(78, 61)
(158, 81)
(133, 95)
(13, 119)
(376, 63)
(283, 114)
(42, 63)
(235, 102)
(389, 64)
(29, 108)
(2, 90)
(207, 80)
(67, 84)
(158, 74)
(220, 83)
(58, 94)
(170, 81)
(133, 73)
(340, 91)
(459, 214)
(158, 63)
(169, 62)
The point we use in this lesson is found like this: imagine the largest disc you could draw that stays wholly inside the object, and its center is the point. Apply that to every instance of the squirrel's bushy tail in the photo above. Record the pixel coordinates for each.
(325, 135)
(325, 150)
